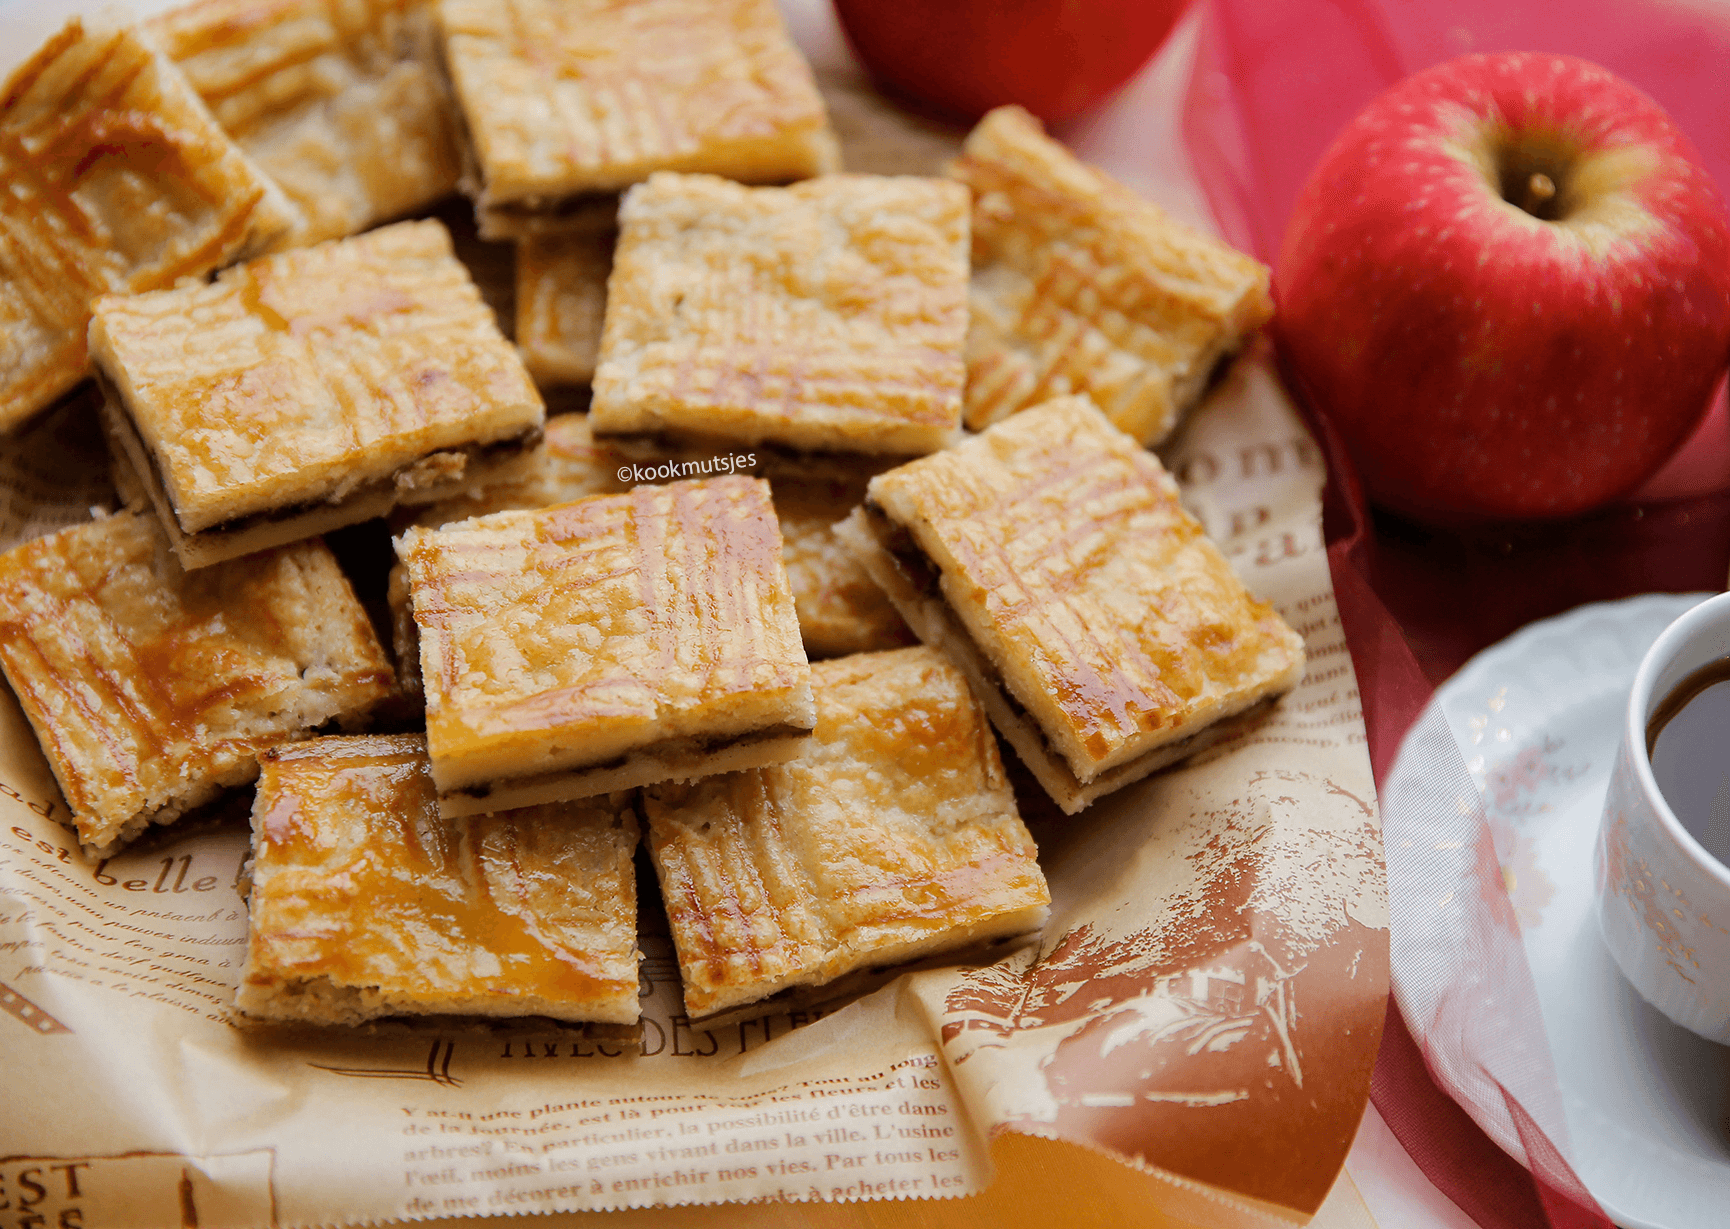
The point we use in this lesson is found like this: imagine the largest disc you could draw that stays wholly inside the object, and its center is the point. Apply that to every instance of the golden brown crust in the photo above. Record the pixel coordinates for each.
(304, 378)
(341, 103)
(840, 609)
(585, 96)
(825, 316)
(151, 688)
(575, 636)
(117, 180)
(366, 902)
(1081, 286)
(892, 835)
(1109, 618)
(562, 301)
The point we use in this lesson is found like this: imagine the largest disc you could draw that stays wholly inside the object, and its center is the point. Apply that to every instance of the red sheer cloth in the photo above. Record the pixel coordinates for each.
(1273, 83)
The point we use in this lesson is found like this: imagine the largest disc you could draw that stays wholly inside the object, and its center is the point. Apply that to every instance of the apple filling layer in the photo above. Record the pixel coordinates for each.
(672, 759)
(441, 474)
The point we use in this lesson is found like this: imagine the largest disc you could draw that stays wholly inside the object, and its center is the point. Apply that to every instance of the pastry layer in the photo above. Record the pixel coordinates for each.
(1081, 286)
(117, 180)
(562, 300)
(840, 609)
(367, 902)
(566, 638)
(578, 96)
(436, 474)
(1095, 603)
(305, 377)
(340, 102)
(893, 834)
(151, 688)
(828, 316)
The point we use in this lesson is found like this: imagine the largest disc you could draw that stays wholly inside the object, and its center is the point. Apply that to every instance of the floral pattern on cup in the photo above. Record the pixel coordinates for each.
(1516, 790)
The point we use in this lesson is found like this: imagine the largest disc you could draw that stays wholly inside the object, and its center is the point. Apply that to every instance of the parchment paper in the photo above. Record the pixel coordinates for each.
(1205, 1002)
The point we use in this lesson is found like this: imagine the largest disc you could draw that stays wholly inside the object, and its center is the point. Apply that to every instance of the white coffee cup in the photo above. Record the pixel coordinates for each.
(1663, 899)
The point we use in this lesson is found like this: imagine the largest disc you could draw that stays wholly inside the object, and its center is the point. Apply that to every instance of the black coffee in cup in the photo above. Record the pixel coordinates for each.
(1688, 741)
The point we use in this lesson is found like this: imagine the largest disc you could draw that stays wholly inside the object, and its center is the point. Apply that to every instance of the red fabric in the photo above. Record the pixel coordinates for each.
(1272, 85)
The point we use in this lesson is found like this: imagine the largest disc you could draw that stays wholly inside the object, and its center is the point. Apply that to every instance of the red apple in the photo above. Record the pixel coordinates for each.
(964, 57)
(1508, 283)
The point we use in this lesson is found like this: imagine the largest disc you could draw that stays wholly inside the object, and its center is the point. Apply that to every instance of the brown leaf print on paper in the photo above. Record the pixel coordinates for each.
(1228, 1044)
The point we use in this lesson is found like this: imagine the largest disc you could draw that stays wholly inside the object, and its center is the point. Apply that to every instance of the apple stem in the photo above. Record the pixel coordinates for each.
(1540, 188)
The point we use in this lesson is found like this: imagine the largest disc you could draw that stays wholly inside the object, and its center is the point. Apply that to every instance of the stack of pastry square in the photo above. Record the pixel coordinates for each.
(606, 620)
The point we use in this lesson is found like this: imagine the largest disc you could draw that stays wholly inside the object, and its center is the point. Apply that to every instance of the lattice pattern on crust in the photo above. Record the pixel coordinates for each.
(1098, 601)
(117, 179)
(366, 902)
(302, 377)
(340, 102)
(1081, 286)
(587, 96)
(892, 835)
(151, 688)
(571, 636)
(830, 315)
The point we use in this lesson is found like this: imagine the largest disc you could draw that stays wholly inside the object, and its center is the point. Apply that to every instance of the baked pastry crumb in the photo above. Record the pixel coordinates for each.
(151, 689)
(340, 102)
(1051, 559)
(310, 390)
(1079, 285)
(828, 316)
(366, 902)
(568, 97)
(117, 180)
(606, 643)
(892, 835)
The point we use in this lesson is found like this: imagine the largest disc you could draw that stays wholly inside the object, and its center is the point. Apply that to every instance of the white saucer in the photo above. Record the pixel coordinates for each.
(1537, 719)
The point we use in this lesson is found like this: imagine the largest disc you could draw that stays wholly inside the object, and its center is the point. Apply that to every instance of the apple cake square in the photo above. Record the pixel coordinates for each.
(841, 609)
(827, 316)
(1050, 557)
(367, 902)
(561, 279)
(570, 97)
(1079, 285)
(892, 835)
(309, 390)
(152, 688)
(606, 643)
(339, 101)
(117, 180)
